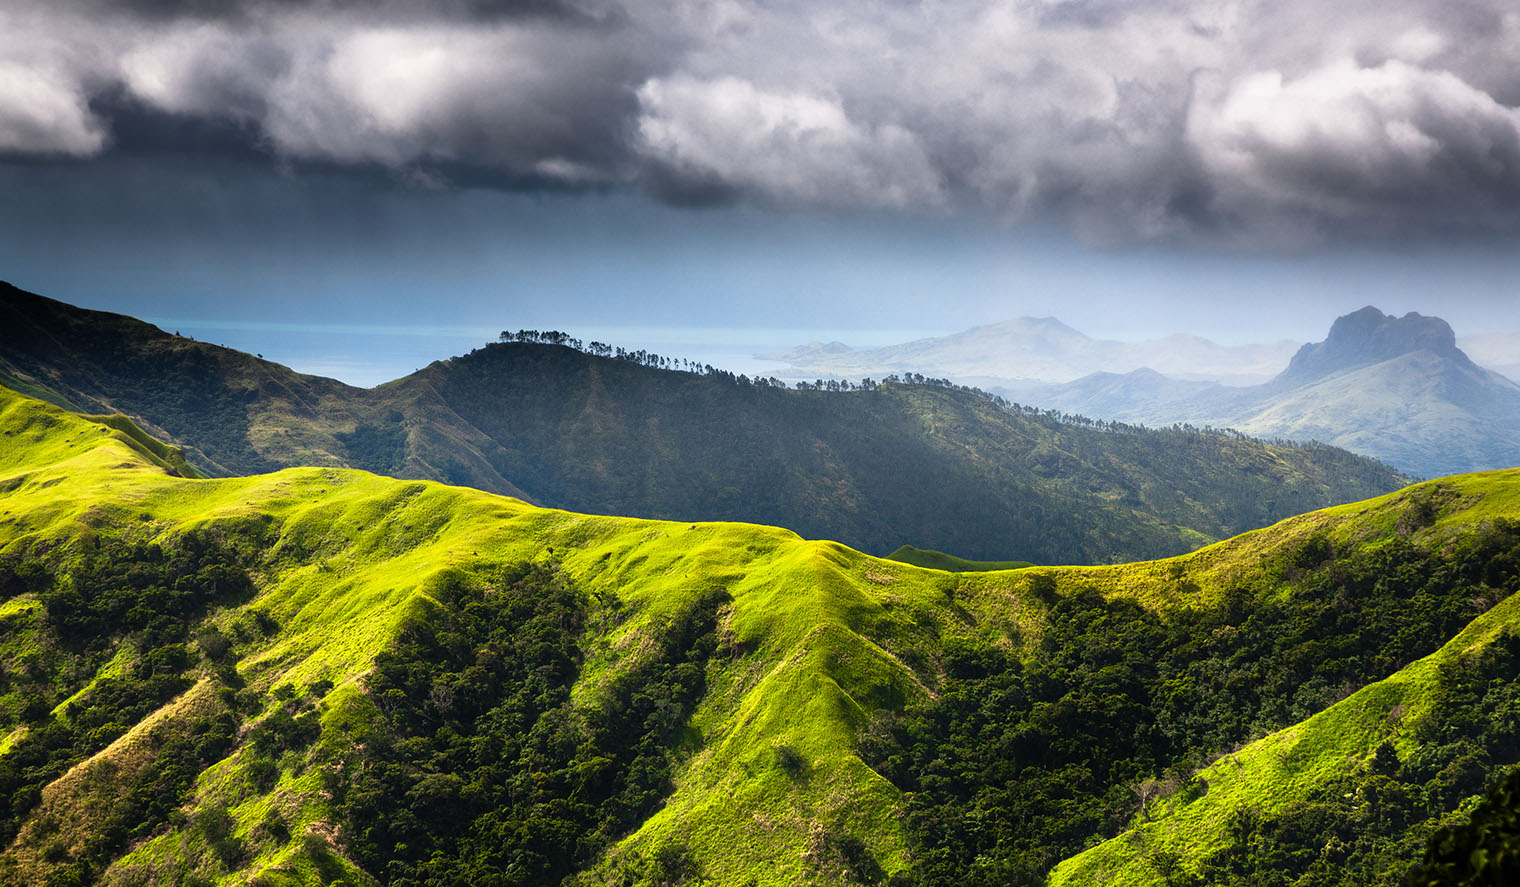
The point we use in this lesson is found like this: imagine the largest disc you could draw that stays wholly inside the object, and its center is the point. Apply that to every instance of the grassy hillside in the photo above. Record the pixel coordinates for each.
(1360, 786)
(560, 427)
(320, 675)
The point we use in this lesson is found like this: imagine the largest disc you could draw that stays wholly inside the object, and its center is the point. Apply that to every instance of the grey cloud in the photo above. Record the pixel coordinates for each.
(388, 10)
(1169, 120)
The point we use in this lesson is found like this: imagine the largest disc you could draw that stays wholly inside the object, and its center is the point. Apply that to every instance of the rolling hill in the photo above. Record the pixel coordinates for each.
(323, 676)
(922, 464)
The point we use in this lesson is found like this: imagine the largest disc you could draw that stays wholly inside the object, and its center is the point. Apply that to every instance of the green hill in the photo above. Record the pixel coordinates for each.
(938, 560)
(324, 676)
(941, 467)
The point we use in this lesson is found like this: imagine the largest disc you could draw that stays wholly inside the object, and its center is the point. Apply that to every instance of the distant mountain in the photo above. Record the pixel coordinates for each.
(930, 466)
(1396, 388)
(1040, 349)
(1369, 337)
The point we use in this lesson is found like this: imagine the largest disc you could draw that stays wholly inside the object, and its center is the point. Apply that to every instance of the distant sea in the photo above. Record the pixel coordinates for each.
(368, 355)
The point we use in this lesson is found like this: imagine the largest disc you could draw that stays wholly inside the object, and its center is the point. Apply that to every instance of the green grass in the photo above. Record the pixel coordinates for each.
(938, 560)
(826, 635)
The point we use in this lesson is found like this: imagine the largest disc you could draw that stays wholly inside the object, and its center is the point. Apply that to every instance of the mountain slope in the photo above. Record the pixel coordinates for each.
(233, 413)
(610, 435)
(324, 676)
(561, 427)
(1264, 787)
(1397, 389)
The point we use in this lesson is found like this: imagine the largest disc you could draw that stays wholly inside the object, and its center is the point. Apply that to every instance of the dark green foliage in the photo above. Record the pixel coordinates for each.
(482, 771)
(1016, 767)
(963, 473)
(216, 826)
(791, 762)
(113, 594)
(108, 363)
(144, 590)
(377, 448)
(844, 856)
(1484, 851)
(162, 786)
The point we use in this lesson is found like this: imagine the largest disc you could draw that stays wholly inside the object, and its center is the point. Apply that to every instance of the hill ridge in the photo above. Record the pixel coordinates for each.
(963, 475)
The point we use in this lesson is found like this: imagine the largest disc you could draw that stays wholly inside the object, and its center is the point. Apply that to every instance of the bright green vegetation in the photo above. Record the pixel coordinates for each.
(938, 560)
(119, 603)
(944, 467)
(324, 676)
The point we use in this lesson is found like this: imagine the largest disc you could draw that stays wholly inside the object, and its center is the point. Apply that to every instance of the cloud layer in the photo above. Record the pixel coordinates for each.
(1132, 121)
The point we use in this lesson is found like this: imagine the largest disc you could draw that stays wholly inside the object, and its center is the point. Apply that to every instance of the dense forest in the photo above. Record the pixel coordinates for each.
(595, 428)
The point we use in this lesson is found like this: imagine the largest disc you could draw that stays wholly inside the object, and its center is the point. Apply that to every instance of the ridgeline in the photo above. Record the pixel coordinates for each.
(900, 462)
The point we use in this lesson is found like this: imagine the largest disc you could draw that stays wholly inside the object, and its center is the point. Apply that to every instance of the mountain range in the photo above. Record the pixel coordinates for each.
(323, 676)
(1029, 350)
(1396, 388)
(899, 463)
(1403, 390)
(1040, 349)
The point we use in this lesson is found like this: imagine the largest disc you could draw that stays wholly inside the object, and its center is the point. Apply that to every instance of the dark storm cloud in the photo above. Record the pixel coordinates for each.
(1167, 120)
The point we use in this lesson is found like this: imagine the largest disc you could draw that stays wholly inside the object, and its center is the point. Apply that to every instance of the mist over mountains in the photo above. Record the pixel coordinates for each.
(1041, 349)
(1399, 389)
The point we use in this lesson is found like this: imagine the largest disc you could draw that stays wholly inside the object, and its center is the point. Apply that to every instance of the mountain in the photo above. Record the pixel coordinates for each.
(1039, 349)
(925, 465)
(1395, 388)
(324, 676)
(1369, 337)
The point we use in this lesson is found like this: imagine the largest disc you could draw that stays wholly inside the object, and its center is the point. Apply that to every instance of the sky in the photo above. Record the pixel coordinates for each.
(356, 187)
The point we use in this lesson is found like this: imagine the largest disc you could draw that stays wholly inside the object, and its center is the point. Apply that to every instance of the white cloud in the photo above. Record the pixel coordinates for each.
(43, 112)
(787, 147)
(202, 68)
(1348, 141)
